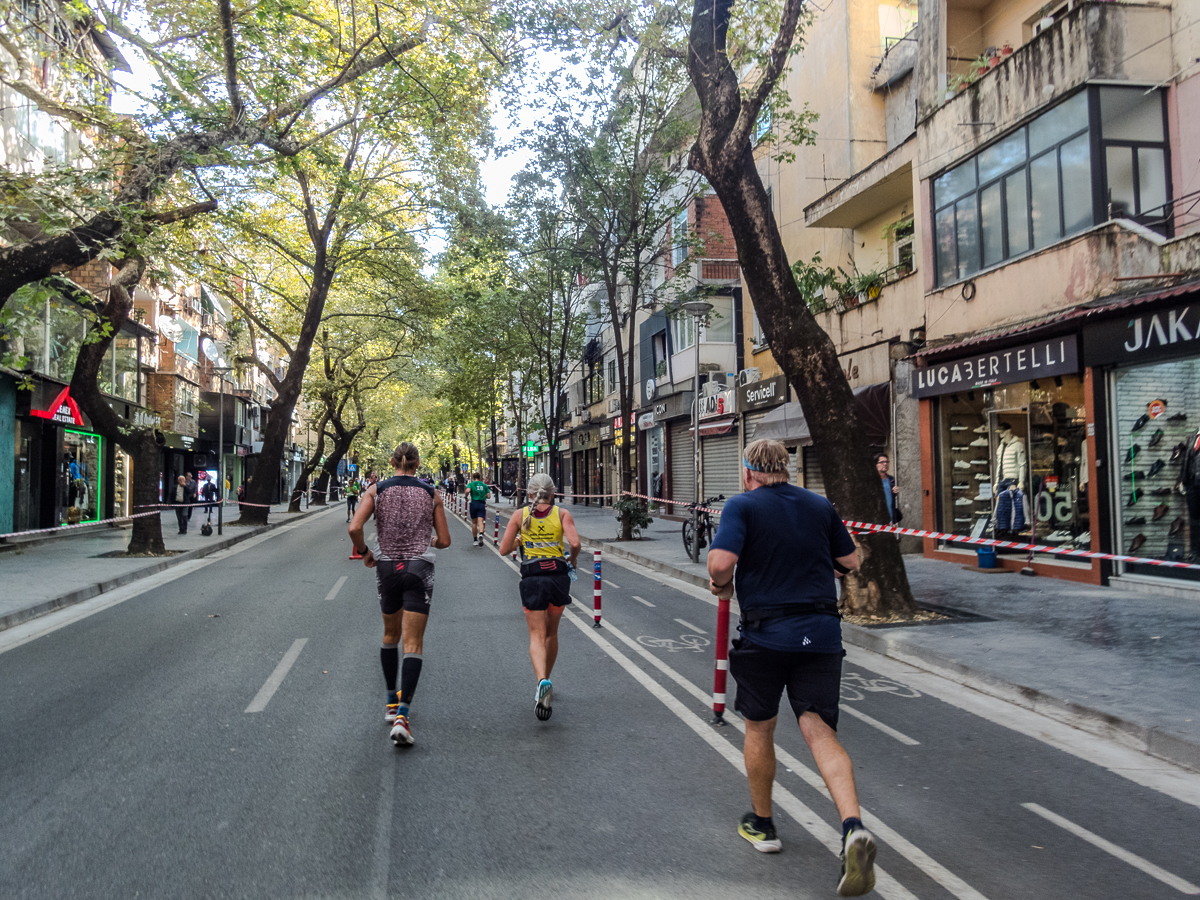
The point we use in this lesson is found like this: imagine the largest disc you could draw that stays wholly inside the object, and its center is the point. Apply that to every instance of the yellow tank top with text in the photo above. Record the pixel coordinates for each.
(542, 538)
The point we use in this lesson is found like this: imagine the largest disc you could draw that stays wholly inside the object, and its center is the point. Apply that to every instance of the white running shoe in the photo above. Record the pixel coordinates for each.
(982, 429)
(979, 442)
(982, 477)
(961, 464)
(401, 732)
(543, 699)
(858, 864)
(962, 501)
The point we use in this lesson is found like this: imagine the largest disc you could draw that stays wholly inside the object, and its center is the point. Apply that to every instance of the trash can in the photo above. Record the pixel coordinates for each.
(987, 557)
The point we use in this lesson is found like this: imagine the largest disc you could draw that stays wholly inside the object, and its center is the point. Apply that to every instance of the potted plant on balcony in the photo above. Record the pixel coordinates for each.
(1046, 19)
(816, 283)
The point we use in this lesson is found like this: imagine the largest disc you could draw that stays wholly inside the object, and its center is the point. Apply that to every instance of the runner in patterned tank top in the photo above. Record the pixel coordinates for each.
(410, 524)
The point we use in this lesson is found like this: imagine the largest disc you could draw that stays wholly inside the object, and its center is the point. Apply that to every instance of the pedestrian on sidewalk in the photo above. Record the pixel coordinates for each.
(891, 493)
(410, 523)
(194, 488)
(181, 497)
(549, 547)
(209, 492)
(784, 544)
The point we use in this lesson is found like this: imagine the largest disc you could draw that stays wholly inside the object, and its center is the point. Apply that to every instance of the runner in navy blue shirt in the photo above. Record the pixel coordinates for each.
(783, 545)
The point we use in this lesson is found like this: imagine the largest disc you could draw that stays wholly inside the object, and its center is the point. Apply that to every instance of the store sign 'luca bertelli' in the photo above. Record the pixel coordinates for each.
(1054, 356)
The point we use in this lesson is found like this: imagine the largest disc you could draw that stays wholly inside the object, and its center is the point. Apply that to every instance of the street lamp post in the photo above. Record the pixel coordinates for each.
(697, 309)
(221, 371)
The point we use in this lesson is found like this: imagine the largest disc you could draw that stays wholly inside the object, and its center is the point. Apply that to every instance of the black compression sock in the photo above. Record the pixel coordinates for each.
(389, 657)
(762, 823)
(410, 673)
(847, 824)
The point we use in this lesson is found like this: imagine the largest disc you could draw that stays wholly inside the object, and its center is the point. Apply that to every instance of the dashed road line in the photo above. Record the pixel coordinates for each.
(615, 587)
(642, 601)
(686, 624)
(336, 587)
(875, 723)
(267, 691)
(1181, 885)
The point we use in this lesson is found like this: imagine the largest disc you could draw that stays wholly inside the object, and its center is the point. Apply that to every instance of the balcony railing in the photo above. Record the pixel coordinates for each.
(720, 270)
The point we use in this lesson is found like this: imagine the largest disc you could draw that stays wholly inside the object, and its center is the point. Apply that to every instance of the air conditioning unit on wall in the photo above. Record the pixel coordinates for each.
(712, 388)
(749, 375)
(614, 405)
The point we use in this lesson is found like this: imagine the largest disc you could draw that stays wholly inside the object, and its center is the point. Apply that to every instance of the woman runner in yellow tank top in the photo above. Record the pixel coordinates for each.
(549, 544)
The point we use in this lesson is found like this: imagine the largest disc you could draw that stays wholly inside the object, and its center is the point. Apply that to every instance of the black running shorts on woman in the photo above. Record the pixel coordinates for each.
(404, 584)
(813, 681)
(545, 583)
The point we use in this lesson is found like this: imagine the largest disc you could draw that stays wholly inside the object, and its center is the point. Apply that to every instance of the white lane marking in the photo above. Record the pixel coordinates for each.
(875, 723)
(644, 602)
(14, 637)
(610, 584)
(336, 587)
(267, 691)
(904, 847)
(687, 624)
(381, 862)
(1184, 887)
(1108, 753)
(885, 884)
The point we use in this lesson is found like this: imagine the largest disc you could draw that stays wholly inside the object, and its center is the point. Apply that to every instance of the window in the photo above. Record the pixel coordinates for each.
(612, 376)
(188, 344)
(1039, 184)
(679, 227)
(683, 331)
(901, 250)
(185, 398)
(719, 327)
(760, 337)
(762, 127)
(658, 347)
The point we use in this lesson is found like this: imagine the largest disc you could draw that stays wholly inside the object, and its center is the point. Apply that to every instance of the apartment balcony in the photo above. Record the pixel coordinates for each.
(1110, 42)
(720, 271)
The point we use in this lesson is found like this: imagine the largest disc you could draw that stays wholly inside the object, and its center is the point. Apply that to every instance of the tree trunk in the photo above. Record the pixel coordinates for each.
(138, 442)
(722, 154)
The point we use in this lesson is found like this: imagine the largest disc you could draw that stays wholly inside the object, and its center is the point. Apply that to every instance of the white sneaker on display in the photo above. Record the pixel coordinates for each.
(982, 429)
(979, 442)
(982, 477)
(963, 501)
(961, 464)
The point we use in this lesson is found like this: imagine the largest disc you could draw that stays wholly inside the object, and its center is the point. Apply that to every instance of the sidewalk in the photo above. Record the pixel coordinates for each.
(1108, 661)
(39, 576)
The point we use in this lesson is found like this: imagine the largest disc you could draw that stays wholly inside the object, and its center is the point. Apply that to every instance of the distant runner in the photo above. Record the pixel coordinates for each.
(353, 489)
(407, 513)
(785, 543)
(478, 490)
(544, 532)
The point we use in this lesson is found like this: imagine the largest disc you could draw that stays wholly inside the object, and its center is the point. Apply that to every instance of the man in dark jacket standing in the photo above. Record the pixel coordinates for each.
(181, 496)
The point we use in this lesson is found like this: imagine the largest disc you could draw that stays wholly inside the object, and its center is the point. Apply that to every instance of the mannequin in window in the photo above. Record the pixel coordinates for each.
(1009, 481)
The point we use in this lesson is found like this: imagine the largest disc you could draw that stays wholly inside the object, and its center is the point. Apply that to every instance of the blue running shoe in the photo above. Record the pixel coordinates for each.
(545, 696)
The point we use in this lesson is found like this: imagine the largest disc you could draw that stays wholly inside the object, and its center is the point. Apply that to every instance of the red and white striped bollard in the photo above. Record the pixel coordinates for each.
(596, 588)
(496, 536)
(721, 671)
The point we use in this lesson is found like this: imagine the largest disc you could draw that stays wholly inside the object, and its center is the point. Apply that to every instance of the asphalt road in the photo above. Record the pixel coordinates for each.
(130, 766)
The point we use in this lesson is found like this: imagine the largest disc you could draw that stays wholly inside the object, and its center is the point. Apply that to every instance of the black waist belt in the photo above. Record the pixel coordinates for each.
(753, 618)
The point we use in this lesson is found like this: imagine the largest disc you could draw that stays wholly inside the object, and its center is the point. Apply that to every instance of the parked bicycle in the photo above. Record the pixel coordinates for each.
(707, 526)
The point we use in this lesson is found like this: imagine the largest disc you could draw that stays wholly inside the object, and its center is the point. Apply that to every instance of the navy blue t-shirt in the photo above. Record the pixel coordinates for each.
(786, 539)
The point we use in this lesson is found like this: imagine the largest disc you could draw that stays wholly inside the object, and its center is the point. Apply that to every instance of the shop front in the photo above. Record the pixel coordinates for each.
(62, 469)
(669, 445)
(1147, 364)
(585, 449)
(607, 479)
(1007, 450)
(652, 443)
(720, 449)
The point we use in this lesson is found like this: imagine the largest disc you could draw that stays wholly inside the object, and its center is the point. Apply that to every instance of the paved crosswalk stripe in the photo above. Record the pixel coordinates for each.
(1184, 887)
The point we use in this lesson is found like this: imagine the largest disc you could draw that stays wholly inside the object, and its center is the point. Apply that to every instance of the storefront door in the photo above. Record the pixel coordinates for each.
(82, 477)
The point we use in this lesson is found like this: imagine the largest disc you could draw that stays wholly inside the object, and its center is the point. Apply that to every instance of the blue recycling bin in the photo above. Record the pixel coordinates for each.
(987, 557)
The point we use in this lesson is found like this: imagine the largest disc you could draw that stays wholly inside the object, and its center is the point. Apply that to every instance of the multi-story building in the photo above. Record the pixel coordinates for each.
(1007, 190)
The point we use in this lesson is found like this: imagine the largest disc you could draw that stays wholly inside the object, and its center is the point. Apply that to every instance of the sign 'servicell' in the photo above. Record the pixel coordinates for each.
(1053, 356)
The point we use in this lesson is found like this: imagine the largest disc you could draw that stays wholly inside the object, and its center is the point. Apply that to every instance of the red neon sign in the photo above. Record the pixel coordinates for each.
(63, 410)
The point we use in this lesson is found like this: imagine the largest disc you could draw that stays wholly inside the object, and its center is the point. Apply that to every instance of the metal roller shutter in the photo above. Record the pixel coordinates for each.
(813, 479)
(719, 457)
(682, 483)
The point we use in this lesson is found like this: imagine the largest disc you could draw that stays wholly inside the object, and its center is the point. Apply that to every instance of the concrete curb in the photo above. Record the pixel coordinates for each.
(1150, 739)
(94, 590)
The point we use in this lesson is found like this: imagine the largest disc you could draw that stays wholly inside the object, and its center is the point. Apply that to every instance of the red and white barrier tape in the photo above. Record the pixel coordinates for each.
(80, 525)
(713, 512)
(1015, 545)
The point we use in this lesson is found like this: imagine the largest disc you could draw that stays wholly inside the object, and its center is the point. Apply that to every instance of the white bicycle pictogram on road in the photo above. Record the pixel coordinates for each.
(685, 642)
(854, 684)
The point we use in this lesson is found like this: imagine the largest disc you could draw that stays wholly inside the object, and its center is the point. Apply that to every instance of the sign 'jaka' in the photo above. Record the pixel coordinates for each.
(1162, 334)
(1055, 356)
(63, 410)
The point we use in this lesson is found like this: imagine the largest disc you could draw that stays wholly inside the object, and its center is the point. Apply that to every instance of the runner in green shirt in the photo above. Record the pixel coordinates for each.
(478, 490)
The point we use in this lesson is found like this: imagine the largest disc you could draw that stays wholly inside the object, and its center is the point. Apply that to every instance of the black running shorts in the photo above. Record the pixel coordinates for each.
(478, 509)
(545, 583)
(813, 681)
(404, 584)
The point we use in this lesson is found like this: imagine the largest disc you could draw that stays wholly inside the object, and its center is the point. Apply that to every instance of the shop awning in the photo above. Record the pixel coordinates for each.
(787, 424)
(714, 428)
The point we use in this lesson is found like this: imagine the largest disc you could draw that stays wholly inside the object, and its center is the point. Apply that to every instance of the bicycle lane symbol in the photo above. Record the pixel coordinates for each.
(854, 684)
(686, 642)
